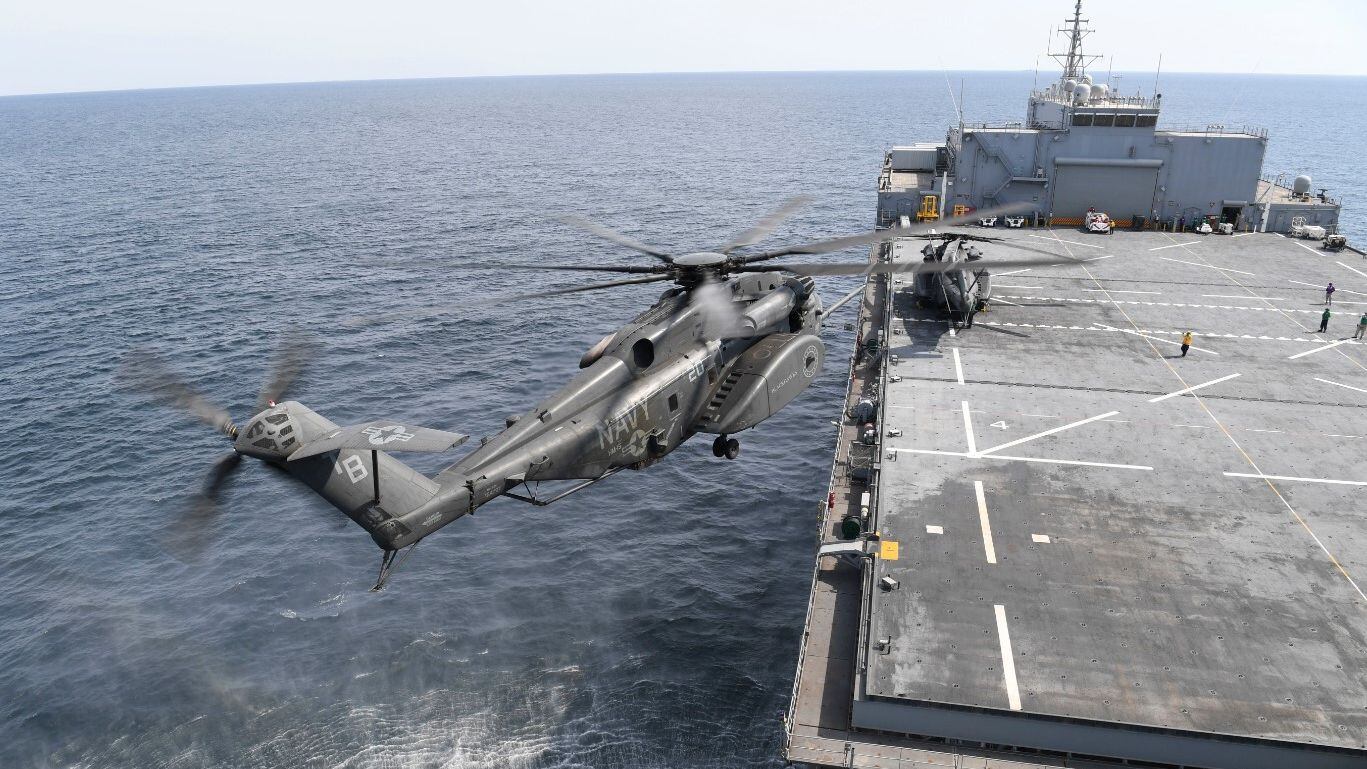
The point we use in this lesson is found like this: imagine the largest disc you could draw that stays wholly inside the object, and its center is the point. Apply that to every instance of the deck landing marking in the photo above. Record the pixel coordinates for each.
(1193, 388)
(1007, 458)
(1340, 384)
(932, 529)
(1175, 245)
(1061, 240)
(1058, 429)
(1118, 291)
(968, 430)
(1042, 539)
(1207, 266)
(1294, 478)
(1321, 288)
(1081, 299)
(988, 548)
(1152, 338)
(1317, 349)
(1013, 693)
(1346, 267)
(958, 367)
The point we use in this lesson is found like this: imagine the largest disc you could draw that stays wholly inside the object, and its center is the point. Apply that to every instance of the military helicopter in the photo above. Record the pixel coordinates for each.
(962, 292)
(728, 344)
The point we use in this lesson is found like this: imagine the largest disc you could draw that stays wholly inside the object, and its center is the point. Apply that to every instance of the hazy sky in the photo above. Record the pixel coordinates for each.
(81, 45)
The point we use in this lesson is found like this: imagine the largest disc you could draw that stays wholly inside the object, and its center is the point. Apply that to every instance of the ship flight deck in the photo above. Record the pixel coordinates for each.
(1105, 551)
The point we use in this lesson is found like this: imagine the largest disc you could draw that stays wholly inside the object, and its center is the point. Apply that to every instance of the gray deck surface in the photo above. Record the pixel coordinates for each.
(1178, 586)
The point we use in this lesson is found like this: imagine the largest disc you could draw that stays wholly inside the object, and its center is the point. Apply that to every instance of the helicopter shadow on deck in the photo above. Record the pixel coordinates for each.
(917, 327)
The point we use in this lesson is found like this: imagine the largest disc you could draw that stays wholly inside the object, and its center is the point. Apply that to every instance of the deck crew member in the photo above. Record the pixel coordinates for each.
(1186, 343)
(1329, 294)
(1324, 320)
(1362, 327)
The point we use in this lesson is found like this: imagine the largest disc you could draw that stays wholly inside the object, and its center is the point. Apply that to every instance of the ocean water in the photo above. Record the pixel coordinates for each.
(650, 621)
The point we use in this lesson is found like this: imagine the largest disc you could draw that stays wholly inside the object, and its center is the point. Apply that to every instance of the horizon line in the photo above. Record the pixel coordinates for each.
(136, 89)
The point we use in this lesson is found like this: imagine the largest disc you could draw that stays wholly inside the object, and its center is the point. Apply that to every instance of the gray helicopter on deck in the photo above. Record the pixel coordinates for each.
(733, 339)
(964, 291)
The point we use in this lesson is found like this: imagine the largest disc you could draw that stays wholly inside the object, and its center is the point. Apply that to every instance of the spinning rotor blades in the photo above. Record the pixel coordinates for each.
(149, 373)
(880, 268)
(592, 287)
(608, 233)
(766, 225)
(289, 361)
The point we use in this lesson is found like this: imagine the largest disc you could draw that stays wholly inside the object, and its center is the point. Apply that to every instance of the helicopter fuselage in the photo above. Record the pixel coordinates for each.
(719, 362)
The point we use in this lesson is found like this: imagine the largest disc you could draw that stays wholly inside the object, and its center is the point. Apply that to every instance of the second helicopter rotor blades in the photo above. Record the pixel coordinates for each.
(880, 268)
(877, 236)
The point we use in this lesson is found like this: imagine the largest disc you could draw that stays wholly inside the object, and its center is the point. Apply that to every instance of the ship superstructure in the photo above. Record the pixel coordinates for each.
(1083, 146)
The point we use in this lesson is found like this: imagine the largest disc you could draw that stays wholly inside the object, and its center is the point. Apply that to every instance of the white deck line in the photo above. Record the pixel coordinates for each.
(1193, 388)
(1340, 384)
(1095, 258)
(1058, 429)
(1175, 245)
(1013, 692)
(1346, 267)
(1293, 478)
(1229, 296)
(1307, 248)
(968, 430)
(1118, 291)
(1317, 349)
(1077, 462)
(958, 366)
(1207, 266)
(1061, 240)
(988, 549)
(1014, 272)
(1153, 338)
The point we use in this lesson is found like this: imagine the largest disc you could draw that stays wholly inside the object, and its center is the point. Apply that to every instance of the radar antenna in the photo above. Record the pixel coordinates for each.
(1074, 61)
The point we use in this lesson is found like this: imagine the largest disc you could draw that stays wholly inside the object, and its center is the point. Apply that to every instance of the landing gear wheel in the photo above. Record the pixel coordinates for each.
(719, 447)
(732, 448)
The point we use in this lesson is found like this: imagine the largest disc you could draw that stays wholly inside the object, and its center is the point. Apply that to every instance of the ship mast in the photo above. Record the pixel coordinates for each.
(1074, 61)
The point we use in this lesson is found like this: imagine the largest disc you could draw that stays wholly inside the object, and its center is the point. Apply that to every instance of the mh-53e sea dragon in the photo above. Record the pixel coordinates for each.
(733, 340)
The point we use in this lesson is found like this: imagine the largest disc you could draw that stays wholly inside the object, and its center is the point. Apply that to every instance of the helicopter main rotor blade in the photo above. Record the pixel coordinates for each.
(877, 236)
(827, 246)
(289, 361)
(981, 213)
(631, 270)
(766, 225)
(148, 372)
(1007, 243)
(881, 268)
(610, 234)
(591, 287)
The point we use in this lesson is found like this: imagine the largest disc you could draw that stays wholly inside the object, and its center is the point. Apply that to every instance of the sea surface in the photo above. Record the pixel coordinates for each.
(650, 621)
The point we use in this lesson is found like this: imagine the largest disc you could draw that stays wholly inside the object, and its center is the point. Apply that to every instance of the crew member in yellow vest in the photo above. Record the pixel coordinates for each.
(1186, 343)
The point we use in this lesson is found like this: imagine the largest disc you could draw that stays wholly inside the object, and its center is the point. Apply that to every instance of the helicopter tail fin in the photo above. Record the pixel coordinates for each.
(352, 468)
